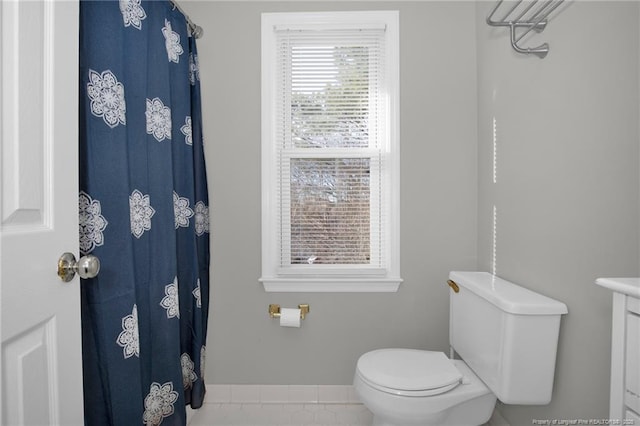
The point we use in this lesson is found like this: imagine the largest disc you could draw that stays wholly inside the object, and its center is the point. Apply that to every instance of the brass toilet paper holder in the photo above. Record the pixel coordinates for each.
(274, 310)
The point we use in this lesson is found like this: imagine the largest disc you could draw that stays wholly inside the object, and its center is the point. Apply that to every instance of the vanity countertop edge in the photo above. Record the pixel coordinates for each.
(628, 286)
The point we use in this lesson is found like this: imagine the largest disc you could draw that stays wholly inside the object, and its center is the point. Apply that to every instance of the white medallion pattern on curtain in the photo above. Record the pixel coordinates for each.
(194, 69)
(158, 119)
(129, 338)
(196, 294)
(141, 213)
(107, 97)
(188, 375)
(186, 131)
(181, 210)
(158, 404)
(132, 13)
(202, 218)
(172, 42)
(91, 223)
(170, 301)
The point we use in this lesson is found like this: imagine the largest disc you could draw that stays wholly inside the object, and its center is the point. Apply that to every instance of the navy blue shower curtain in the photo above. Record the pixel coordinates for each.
(144, 212)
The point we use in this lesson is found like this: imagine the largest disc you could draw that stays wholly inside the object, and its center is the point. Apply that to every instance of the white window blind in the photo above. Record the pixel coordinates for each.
(329, 149)
(330, 126)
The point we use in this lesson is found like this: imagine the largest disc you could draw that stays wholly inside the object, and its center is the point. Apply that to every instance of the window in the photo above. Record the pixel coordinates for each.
(330, 155)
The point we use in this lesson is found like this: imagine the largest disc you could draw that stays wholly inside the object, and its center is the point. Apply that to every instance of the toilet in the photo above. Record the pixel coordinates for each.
(506, 338)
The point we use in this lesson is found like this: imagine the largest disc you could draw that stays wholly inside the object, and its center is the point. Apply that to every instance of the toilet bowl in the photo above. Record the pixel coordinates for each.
(406, 387)
(506, 337)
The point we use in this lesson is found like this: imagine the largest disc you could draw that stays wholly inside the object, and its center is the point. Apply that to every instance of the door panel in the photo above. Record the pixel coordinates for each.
(40, 323)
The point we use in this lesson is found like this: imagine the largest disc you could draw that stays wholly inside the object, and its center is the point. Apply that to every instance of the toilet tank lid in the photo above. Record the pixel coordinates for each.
(506, 295)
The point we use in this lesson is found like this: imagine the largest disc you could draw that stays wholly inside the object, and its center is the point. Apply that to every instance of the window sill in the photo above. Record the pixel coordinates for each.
(331, 285)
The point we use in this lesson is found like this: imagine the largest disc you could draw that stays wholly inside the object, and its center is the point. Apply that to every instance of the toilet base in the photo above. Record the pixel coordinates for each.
(469, 404)
(481, 409)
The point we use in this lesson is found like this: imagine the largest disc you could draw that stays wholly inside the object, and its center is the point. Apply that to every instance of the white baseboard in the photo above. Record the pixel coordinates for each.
(281, 394)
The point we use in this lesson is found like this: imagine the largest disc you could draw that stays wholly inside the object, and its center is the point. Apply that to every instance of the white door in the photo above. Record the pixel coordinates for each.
(40, 315)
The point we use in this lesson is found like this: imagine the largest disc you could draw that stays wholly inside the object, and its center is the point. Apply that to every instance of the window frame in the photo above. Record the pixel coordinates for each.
(336, 278)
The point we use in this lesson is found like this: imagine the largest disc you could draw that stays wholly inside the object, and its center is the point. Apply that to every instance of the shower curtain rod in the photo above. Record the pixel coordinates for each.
(196, 30)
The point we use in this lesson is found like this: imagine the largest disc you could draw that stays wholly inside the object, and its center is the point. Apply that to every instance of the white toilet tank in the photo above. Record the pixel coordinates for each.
(507, 335)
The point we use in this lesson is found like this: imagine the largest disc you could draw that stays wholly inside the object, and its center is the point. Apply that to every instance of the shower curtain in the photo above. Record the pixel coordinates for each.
(144, 213)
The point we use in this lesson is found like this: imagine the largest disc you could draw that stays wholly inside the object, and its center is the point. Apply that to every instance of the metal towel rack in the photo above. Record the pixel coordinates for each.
(522, 18)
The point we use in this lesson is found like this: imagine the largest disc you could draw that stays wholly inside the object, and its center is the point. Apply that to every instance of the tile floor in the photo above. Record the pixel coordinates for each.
(259, 414)
(285, 405)
(255, 414)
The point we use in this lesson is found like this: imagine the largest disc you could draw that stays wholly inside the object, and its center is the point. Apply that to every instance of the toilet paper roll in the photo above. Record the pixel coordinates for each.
(289, 317)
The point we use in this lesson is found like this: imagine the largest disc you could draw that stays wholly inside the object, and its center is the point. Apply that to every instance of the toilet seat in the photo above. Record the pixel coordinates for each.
(409, 372)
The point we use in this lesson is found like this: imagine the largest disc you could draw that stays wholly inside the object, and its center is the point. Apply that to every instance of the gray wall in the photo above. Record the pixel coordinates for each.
(567, 187)
(568, 191)
(438, 199)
